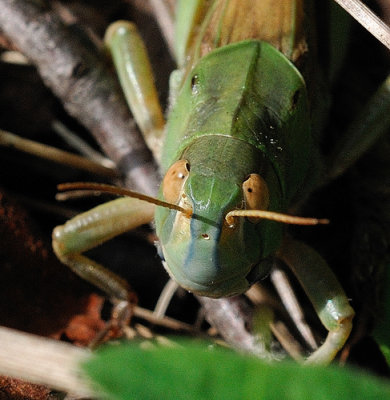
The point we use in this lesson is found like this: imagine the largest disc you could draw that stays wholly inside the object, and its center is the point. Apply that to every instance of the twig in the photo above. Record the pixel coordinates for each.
(75, 70)
(282, 285)
(232, 317)
(165, 298)
(80, 145)
(368, 19)
(43, 361)
(46, 152)
(259, 296)
(165, 321)
(288, 342)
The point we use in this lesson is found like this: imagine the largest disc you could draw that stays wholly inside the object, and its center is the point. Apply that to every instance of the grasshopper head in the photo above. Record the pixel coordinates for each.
(204, 253)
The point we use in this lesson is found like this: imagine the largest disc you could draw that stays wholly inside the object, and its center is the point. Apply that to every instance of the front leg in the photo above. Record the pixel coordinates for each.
(326, 295)
(94, 227)
(135, 74)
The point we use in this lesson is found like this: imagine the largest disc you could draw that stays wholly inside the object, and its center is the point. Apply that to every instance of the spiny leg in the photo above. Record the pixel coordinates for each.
(94, 227)
(326, 295)
(135, 75)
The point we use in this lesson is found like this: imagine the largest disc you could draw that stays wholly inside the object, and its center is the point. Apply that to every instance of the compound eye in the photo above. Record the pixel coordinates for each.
(173, 182)
(256, 194)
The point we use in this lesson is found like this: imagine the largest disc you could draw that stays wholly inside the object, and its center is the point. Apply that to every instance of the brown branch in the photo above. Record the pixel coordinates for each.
(232, 317)
(44, 361)
(75, 70)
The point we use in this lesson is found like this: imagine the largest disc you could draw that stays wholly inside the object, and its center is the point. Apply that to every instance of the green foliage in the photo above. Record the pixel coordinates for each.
(200, 371)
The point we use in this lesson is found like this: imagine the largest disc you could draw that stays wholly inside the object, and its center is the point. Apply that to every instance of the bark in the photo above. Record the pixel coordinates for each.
(76, 71)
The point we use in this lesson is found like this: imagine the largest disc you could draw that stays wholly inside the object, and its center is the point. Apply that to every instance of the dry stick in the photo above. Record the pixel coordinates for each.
(89, 91)
(8, 139)
(77, 73)
(43, 361)
(165, 298)
(81, 145)
(368, 19)
(283, 287)
(231, 317)
(165, 322)
(259, 295)
(287, 340)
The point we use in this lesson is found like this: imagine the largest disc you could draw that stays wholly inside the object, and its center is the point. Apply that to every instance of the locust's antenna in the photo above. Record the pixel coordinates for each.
(273, 216)
(104, 188)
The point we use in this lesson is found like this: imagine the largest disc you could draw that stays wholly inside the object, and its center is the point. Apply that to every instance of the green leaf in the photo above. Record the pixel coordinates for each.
(199, 371)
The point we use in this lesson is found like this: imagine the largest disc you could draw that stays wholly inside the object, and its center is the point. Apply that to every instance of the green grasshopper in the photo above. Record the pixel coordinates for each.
(238, 152)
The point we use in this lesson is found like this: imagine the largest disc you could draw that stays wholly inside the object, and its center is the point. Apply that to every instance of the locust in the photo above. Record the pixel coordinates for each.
(238, 151)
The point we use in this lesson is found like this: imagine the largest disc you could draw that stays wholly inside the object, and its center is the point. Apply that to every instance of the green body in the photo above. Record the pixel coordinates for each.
(242, 109)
